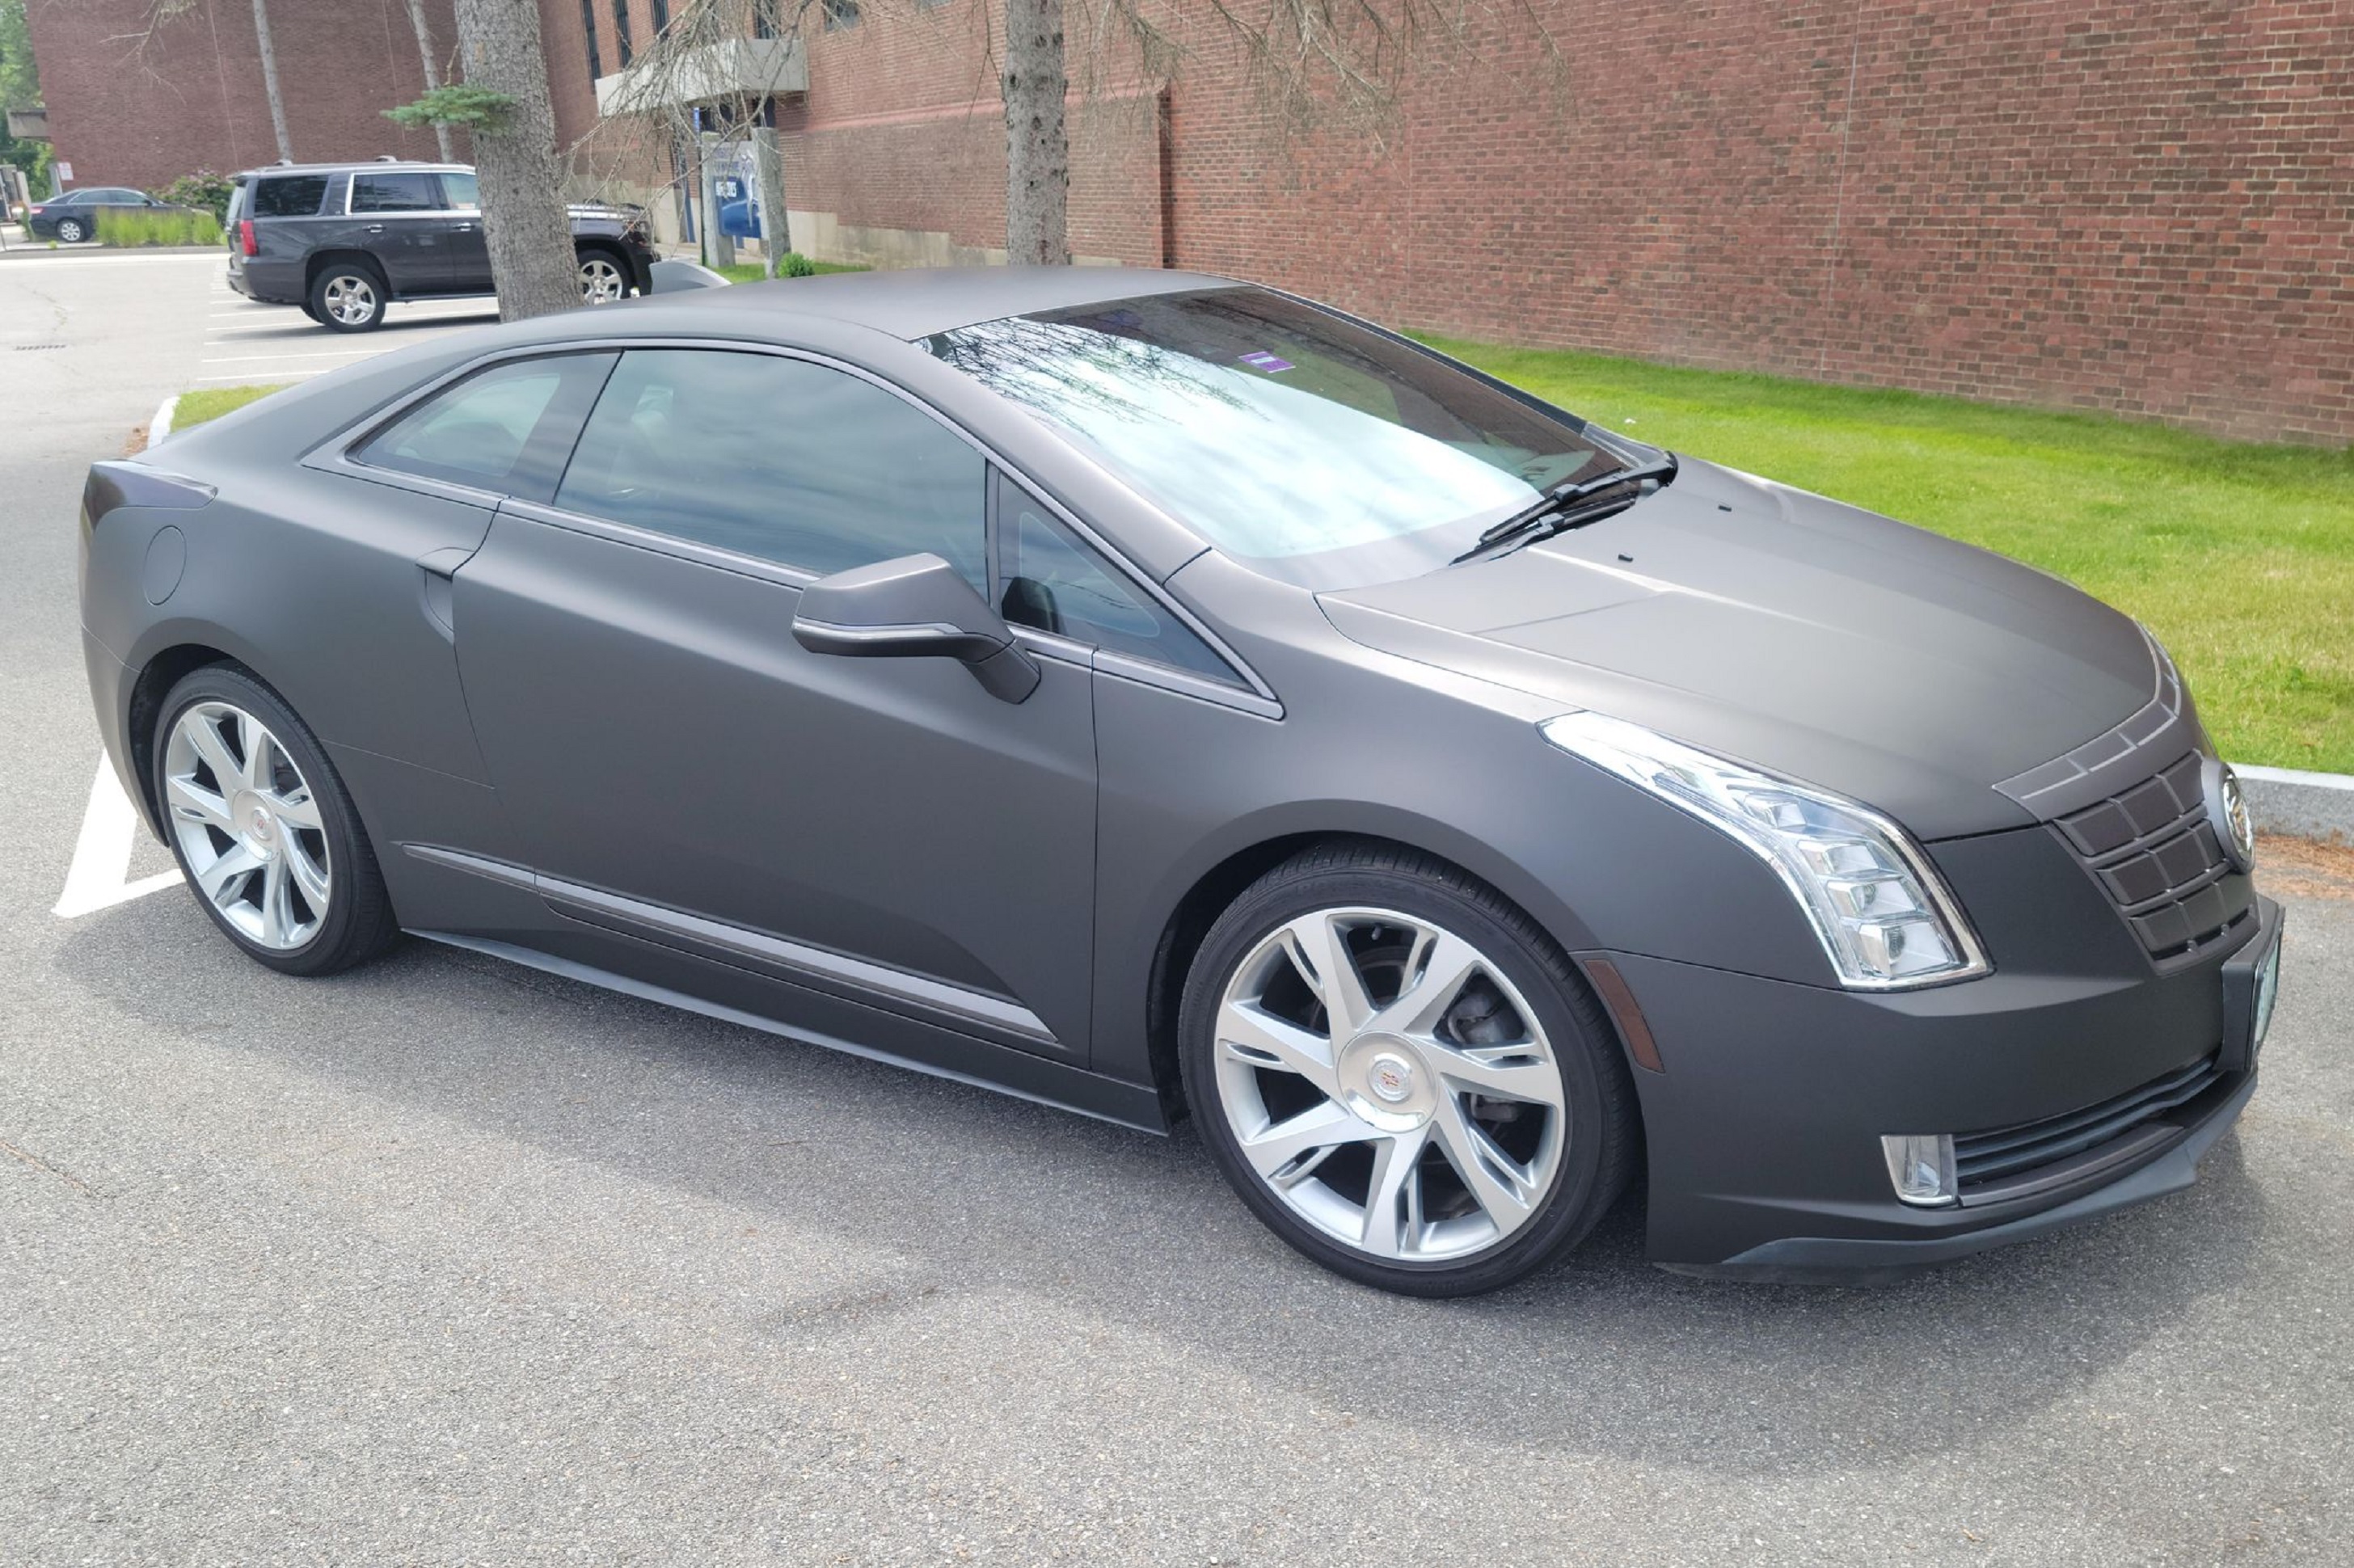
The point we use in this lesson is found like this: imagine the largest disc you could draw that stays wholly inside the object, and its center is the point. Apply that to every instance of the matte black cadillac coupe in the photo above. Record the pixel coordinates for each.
(1152, 694)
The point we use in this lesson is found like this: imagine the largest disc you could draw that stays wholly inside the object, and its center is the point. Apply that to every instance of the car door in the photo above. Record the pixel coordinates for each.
(396, 216)
(679, 767)
(466, 249)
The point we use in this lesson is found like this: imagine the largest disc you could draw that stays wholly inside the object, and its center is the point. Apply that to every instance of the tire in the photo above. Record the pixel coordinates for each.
(278, 860)
(1459, 987)
(70, 231)
(604, 277)
(347, 296)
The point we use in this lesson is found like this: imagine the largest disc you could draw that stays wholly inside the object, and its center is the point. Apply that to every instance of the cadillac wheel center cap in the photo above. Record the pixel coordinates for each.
(256, 821)
(1391, 1078)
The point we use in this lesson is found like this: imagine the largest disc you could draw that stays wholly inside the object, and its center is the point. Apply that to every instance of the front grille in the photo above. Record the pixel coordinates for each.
(2006, 1155)
(2156, 855)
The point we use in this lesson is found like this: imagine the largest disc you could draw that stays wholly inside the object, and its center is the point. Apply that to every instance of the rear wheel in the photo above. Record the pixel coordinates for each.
(602, 278)
(349, 296)
(262, 827)
(71, 230)
(1401, 1076)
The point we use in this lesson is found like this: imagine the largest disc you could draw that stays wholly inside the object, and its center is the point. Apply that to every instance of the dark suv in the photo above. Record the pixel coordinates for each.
(343, 240)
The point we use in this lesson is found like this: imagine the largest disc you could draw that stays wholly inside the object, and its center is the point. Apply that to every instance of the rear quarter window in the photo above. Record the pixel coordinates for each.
(508, 429)
(289, 195)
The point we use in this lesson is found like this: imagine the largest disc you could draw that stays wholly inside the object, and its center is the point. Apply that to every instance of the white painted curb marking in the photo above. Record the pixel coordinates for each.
(161, 425)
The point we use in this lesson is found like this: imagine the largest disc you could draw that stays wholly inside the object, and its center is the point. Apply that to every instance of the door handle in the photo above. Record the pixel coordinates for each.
(436, 583)
(376, 229)
(463, 228)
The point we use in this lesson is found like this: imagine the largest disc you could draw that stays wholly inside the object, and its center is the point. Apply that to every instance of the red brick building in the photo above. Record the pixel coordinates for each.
(2142, 206)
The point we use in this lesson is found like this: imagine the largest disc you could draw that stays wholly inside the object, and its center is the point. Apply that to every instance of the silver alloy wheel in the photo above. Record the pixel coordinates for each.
(70, 230)
(351, 299)
(1389, 1084)
(248, 827)
(601, 280)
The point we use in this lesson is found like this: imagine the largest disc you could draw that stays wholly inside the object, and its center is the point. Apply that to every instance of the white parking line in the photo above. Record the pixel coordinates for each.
(99, 877)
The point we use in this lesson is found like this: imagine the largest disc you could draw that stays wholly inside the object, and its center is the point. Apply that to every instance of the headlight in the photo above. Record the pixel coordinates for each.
(1884, 916)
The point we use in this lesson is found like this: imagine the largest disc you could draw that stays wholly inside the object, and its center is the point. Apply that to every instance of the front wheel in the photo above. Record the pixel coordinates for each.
(263, 828)
(602, 279)
(1401, 1076)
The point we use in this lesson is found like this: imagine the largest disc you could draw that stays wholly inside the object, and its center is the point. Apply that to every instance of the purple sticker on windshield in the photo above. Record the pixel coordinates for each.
(1260, 359)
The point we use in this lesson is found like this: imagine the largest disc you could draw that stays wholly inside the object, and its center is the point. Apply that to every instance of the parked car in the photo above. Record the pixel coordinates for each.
(345, 240)
(72, 217)
(1154, 695)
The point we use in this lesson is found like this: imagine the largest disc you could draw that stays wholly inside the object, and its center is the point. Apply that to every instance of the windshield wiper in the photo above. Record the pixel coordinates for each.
(1572, 506)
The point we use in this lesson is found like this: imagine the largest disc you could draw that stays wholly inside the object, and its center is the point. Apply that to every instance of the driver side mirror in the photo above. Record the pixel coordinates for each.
(916, 607)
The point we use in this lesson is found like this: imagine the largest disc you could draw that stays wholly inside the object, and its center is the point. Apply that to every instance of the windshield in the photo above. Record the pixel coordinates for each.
(1304, 445)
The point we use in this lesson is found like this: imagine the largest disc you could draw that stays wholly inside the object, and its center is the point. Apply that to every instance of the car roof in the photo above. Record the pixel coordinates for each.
(915, 303)
(354, 166)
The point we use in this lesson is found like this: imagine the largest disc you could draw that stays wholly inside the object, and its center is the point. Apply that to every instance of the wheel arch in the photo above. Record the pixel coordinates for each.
(1210, 893)
(319, 261)
(163, 671)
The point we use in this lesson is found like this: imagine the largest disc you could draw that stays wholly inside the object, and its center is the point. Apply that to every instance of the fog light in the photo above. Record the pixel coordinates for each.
(1922, 1166)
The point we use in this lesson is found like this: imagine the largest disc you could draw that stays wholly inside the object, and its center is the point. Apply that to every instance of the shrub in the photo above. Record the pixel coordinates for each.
(140, 228)
(204, 190)
(793, 264)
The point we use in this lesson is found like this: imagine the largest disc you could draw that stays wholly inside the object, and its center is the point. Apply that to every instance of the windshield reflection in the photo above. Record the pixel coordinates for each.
(1277, 430)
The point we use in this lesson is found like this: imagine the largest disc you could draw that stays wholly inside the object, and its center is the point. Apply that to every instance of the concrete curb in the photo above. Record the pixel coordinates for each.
(2300, 804)
(161, 425)
(35, 249)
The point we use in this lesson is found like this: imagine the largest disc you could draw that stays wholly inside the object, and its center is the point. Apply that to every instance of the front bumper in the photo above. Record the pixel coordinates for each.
(1764, 1130)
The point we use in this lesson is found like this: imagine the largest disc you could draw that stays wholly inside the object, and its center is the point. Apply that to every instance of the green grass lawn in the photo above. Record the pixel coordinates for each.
(196, 408)
(2240, 557)
(750, 272)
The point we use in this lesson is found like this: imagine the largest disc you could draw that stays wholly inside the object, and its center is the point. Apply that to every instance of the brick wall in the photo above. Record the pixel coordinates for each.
(133, 112)
(2140, 205)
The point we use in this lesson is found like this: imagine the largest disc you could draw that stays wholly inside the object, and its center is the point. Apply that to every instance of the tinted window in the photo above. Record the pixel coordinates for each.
(1282, 432)
(395, 193)
(779, 459)
(507, 428)
(1054, 582)
(462, 193)
(289, 195)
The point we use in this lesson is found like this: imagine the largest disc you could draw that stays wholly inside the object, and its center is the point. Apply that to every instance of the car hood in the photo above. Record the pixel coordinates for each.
(1803, 636)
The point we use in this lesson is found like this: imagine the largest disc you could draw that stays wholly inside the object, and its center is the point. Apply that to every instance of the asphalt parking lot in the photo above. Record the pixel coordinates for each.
(446, 1261)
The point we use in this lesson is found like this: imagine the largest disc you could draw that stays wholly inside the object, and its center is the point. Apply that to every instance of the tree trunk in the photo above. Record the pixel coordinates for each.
(432, 71)
(269, 80)
(1037, 152)
(524, 220)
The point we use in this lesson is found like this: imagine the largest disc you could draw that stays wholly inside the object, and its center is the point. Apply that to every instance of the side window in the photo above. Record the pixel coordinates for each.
(1053, 582)
(394, 193)
(462, 193)
(289, 195)
(778, 459)
(508, 429)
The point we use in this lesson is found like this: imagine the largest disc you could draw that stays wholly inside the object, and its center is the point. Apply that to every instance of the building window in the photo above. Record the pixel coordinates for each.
(622, 28)
(588, 27)
(763, 18)
(840, 14)
(662, 17)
